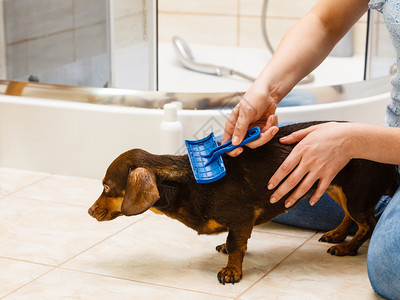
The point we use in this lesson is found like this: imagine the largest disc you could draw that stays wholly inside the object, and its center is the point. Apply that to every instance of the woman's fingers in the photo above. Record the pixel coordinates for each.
(296, 136)
(268, 131)
(246, 114)
(230, 125)
(283, 171)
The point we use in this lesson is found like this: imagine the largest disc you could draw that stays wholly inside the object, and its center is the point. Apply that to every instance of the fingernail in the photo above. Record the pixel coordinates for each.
(273, 200)
(275, 131)
(235, 140)
(288, 204)
(270, 186)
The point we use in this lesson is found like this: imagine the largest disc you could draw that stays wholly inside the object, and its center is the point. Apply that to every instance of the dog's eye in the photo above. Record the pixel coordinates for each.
(106, 188)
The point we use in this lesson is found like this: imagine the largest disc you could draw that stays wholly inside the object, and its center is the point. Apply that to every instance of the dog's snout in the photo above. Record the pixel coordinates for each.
(92, 210)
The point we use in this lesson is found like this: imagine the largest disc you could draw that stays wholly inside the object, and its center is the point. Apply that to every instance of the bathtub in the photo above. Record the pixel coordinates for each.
(78, 131)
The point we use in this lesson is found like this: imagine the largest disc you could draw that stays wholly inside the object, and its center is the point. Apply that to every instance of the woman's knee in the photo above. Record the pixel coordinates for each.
(383, 252)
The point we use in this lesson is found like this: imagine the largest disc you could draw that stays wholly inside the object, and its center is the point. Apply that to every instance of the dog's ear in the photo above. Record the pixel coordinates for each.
(141, 192)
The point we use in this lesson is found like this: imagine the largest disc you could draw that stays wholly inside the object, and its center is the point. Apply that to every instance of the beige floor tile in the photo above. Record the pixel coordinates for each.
(14, 274)
(311, 273)
(64, 284)
(12, 180)
(63, 189)
(163, 251)
(49, 233)
(276, 228)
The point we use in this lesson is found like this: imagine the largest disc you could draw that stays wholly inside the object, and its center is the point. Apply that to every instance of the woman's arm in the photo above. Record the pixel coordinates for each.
(301, 50)
(323, 150)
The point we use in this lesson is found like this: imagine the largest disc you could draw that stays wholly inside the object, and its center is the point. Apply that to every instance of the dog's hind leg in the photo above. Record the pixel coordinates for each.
(340, 233)
(236, 246)
(366, 225)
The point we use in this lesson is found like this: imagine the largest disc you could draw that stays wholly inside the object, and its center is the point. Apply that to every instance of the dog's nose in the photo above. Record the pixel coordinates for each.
(91, 212)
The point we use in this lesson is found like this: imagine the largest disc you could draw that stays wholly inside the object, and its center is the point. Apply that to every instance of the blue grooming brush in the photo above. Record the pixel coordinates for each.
(205, 155)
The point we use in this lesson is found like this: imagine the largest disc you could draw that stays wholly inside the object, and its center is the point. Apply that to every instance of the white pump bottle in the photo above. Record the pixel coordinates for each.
(171, 131)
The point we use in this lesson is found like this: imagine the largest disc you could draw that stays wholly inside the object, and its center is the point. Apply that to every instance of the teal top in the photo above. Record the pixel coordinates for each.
(390, 10)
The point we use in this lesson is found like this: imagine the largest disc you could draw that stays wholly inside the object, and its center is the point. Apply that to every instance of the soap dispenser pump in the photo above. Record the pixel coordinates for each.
(171, 131)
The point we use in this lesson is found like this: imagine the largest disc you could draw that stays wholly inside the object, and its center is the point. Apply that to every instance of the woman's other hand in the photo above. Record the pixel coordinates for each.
(322, 151)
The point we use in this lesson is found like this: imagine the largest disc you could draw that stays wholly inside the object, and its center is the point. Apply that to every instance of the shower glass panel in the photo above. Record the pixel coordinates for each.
(381, 56)
(57, 41)
(99, 43)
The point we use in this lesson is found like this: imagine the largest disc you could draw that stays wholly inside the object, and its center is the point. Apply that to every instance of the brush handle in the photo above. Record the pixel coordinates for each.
(251, 135)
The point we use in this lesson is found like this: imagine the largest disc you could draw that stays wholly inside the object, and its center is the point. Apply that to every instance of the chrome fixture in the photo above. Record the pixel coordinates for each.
(187, 59)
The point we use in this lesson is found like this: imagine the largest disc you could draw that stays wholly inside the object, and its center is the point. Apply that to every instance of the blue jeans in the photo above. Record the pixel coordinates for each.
(383, 259)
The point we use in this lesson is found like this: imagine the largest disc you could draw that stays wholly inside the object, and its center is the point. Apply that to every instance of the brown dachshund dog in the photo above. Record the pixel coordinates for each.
(137, 181)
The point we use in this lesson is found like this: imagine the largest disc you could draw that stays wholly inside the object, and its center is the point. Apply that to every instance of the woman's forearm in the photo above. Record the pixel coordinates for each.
(307, 44)
(376, 143)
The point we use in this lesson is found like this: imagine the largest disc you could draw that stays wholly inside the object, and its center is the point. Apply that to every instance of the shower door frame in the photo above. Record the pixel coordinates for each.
(3, 65)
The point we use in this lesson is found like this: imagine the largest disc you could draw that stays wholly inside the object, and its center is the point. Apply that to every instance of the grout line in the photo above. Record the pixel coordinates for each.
(99, 242)
(276, 266)
(26, 186)
(144, 282)
(210, 14)
(199, 14)
(27, 283)
(284, 234)
(27, 261)
(73, 30)
(49, 201)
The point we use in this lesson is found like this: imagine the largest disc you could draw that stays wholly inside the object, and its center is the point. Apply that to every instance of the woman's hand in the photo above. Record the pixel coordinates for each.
(254, 109)
(322, 151)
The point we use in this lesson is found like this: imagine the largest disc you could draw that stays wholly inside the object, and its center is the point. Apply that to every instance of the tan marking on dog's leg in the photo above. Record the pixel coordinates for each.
(337, 194)
(365, 227)
(236, 246)
(212, 226)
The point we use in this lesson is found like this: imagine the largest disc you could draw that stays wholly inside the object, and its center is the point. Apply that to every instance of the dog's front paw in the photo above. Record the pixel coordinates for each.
(229, 274)
(222, 249)
(342, 250)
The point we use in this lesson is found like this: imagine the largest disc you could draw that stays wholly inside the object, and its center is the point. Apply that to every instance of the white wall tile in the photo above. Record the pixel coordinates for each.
(129, 30)
(124, 8)
(206, 29)
(89, 12)
(224, 7)
(89, 41)
(251, 36)
(277, 8)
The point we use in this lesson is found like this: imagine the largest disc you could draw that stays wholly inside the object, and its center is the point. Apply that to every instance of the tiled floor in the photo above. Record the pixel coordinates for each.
(50, 248)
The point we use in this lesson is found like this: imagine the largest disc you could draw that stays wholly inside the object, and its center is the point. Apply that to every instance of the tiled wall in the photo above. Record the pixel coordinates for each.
(65, 41)
(130, 22)
(47, 38)
(236, 23)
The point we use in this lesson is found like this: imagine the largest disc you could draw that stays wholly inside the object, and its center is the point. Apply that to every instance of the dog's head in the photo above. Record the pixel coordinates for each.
(127, 188)
(134, 197)
(130, 185)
